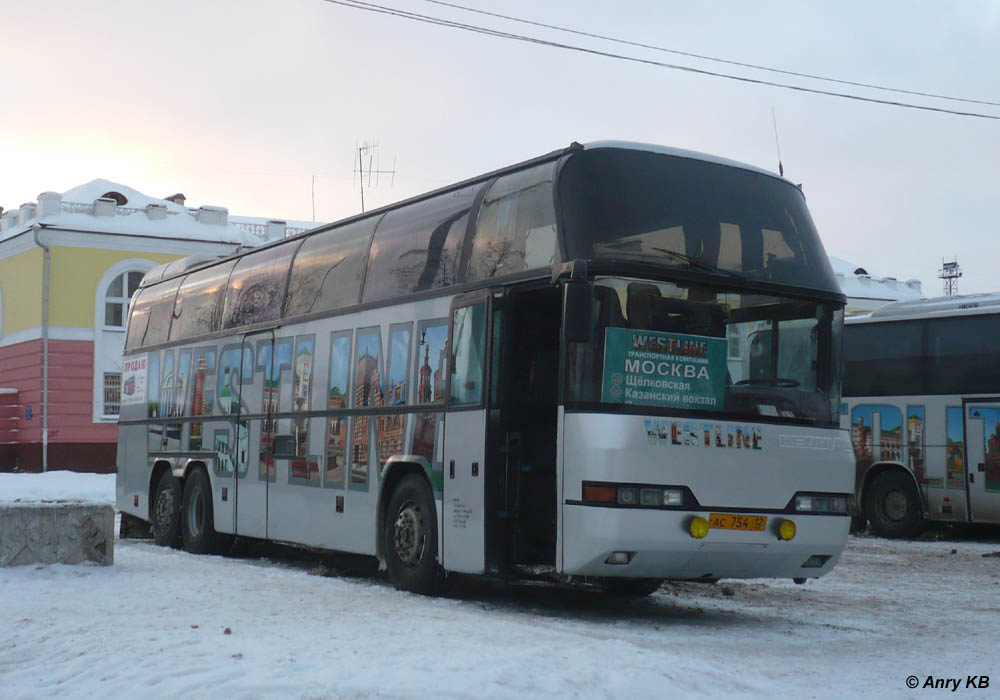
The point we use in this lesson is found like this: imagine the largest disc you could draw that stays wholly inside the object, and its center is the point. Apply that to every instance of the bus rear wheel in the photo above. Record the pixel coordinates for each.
(165, 518)
(892, 506)
(410, 537)
(197, 519)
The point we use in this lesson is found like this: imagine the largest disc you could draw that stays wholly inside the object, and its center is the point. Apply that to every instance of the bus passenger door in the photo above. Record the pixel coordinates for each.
(255, 461)
(463, 521)
(982, 464)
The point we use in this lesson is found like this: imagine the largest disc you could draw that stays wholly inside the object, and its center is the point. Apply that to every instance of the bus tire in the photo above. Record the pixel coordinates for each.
(165, 518)
(632, 587)
(410, 538)
(197, 519)
(892, 506)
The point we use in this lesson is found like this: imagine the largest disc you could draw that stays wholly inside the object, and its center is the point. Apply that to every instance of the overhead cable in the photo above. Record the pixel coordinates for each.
(703, 57)
(382, 9)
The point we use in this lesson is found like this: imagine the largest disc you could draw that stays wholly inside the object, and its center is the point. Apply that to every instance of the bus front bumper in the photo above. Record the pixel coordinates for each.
(658, 544)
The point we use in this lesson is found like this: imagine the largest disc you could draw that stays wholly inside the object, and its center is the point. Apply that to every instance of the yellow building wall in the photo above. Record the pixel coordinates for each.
(75, 274)
(21, 282)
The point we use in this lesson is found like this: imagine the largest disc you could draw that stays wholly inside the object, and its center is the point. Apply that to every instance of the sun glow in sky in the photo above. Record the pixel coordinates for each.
(258, 106)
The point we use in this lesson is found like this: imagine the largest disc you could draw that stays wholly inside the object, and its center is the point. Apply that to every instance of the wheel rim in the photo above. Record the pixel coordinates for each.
(196, 514)
(164, 508)
(409, 534)
(894, 506)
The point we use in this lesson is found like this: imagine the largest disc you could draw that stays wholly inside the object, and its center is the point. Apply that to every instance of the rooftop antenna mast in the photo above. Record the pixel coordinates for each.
(774, 121)
(367, 151)
(950, 272)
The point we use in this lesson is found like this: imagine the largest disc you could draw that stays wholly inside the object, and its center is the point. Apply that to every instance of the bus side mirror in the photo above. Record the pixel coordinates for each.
(578, 311)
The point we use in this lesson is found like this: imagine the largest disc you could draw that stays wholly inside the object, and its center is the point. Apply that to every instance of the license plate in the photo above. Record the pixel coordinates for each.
(736, 521)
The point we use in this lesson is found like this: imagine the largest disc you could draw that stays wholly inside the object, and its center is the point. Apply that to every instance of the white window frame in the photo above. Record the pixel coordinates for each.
(123, 301)
(107, 339)
(104, 408)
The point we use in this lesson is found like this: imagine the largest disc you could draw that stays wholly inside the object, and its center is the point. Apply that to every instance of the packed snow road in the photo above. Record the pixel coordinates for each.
(161, 623)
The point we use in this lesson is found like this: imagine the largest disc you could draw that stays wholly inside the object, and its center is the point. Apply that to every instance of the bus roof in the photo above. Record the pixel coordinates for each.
(683, 153)
(959, 305)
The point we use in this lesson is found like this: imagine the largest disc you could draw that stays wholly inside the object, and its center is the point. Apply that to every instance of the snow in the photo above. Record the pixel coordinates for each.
(154, 626)
(74, 213)
(97, 489)
(871, 290)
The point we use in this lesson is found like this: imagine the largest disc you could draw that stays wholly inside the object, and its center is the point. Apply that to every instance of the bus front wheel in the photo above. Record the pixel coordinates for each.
(165, 520)
(410, 537)
(892, 506)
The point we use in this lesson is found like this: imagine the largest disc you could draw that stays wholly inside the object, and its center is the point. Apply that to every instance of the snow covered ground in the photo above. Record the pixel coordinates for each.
(161, 623)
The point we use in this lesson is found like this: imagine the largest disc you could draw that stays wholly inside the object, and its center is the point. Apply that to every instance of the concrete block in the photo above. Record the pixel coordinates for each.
(51, 533)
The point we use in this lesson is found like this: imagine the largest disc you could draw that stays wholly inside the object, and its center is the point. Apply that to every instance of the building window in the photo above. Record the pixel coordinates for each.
(116, 299)
(112, 393)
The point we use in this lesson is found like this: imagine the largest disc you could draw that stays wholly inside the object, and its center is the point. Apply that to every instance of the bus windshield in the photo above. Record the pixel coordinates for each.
(659, 345)
(691, 214)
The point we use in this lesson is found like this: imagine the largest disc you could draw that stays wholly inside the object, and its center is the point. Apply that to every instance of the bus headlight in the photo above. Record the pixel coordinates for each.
(821, 504)
(673, 497)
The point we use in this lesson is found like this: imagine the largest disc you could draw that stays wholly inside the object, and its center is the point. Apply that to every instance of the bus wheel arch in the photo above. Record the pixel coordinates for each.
(892, 502)
(408, 534)
(165, 496)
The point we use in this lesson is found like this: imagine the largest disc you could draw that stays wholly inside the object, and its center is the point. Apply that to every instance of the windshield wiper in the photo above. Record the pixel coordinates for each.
(697, 264)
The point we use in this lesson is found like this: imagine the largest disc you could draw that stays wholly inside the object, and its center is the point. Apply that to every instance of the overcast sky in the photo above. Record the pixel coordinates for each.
(240, 103)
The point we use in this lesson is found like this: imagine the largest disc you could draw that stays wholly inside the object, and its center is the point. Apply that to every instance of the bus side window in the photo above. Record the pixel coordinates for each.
(328, 269)
(467, 355)
(418, 247)
(516, 228)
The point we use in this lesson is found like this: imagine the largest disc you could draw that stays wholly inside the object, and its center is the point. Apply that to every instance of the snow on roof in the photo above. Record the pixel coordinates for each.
(102, 206)
(858, 283)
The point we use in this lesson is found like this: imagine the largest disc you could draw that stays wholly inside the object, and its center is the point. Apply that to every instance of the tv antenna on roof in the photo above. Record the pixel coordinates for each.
(774, 121)
(950, 272)
(367, 151)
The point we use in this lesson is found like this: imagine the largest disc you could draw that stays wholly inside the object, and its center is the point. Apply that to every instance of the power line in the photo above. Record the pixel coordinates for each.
(382, 9)
(712, 58)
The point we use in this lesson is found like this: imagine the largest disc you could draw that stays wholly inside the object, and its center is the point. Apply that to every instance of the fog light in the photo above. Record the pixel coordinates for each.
(786, 530)
(698, 527)
(650, 497)
(673, 497)
(619, 558)
(628, 496)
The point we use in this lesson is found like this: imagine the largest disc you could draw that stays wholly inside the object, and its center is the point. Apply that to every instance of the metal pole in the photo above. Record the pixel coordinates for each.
(45, 346)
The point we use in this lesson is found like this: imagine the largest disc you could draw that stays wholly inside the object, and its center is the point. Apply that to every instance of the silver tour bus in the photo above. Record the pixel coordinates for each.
(922, 401)
(527, 374)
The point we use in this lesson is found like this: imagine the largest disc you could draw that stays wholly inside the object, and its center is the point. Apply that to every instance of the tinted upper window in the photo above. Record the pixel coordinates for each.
(200, 300)
(516, 228)
(152, 309)
(328, 269)
(418, 247)
(884, 359)
(257, 286)
(659, 208)
(961, 355)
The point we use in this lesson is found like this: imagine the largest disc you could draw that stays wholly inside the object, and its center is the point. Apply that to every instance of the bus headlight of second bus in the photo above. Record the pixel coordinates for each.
(821, 504)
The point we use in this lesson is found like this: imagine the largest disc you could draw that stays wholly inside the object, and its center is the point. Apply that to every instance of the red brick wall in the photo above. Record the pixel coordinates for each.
(71, 377)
